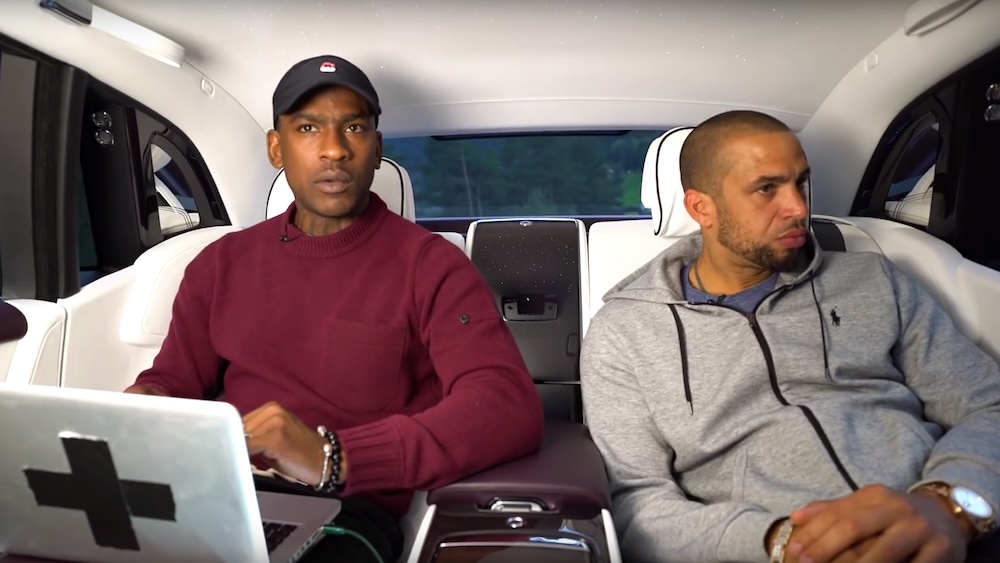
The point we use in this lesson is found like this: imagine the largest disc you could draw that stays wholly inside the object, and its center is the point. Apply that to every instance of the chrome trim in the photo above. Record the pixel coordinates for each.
(513, 505)
(75, 11)
(534, 541)
(421, 538)
(611, 536)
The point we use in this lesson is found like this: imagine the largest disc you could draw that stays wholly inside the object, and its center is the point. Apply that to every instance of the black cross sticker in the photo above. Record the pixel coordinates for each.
(92, 485)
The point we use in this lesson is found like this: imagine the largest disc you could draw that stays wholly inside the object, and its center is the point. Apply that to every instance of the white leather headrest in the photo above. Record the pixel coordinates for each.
(391, 183)
(662, 192)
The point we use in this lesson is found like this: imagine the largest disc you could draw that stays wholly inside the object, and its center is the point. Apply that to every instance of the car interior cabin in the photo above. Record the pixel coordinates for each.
(541, 139)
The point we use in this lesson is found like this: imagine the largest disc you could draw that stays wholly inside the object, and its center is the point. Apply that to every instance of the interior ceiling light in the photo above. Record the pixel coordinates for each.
(140, 38)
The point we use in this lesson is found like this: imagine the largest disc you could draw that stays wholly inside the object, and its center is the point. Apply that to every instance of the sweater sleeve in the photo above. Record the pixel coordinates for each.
(959, 385)
(187, 365)
(656, 520)
(490, 412)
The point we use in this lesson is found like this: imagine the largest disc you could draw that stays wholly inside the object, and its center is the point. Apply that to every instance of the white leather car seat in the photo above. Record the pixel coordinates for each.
(158, 273)
(915, 207)
(969, 291)
(618, 248)
(35, 357)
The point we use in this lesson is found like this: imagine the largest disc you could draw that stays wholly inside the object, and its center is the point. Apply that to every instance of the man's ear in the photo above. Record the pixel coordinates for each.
(701, 207)
(274, 149)
(378, 150)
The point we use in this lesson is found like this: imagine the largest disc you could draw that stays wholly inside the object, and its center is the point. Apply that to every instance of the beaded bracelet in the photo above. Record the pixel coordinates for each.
(332, 454)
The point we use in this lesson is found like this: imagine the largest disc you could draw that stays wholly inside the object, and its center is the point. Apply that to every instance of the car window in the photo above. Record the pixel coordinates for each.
(935, 167)
(525, 175)
(89, 265)
(912, 186)
(177, 208)
(142, 181)
(17, 92)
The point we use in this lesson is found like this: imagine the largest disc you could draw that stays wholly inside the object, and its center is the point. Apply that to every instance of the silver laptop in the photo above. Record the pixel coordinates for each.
(103, 476)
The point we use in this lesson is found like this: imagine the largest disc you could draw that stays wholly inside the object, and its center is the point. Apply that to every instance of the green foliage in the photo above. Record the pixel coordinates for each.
(530, 175)
(631, 190)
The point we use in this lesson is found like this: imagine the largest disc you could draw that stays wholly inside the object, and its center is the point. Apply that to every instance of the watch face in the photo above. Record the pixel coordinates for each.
(972, 503)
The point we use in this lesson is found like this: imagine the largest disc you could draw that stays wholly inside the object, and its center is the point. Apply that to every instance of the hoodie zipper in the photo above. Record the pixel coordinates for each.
(773, 377)
(810, 416)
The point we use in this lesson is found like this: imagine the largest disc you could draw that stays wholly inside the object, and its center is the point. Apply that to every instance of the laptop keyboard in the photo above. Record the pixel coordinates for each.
(275, 533)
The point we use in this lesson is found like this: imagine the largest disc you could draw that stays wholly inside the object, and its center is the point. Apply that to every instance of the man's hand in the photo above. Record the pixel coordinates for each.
(143, 390)
(850, 555)
(285, 442)
(878, 525)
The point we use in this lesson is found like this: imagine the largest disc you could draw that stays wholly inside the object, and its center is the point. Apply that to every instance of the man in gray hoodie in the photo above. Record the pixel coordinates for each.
(756, 399)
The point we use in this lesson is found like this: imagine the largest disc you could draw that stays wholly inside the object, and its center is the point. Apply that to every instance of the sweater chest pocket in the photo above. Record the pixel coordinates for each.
(362, 365)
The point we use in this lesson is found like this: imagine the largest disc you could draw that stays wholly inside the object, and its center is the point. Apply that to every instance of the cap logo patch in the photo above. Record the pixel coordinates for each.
(328, 67)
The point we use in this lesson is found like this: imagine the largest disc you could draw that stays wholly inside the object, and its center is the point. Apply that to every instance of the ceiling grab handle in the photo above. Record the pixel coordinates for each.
(925, 16)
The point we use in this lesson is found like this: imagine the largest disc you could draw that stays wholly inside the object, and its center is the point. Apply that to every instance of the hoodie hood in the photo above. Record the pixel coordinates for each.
(659, 280)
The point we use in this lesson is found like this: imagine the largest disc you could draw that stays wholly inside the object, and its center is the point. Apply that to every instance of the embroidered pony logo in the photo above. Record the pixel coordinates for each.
(834, 317)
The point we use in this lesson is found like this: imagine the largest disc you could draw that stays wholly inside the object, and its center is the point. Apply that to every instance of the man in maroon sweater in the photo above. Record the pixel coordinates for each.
(343, 314)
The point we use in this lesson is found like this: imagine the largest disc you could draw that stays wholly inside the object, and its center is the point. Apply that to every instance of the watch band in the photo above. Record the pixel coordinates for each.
(944, 489)
(781, 541)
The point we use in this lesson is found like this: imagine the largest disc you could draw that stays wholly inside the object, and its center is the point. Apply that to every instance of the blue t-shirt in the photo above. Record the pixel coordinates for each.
(746, 300)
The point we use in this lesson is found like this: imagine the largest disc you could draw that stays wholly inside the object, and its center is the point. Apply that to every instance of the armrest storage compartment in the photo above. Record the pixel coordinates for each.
(552, 505)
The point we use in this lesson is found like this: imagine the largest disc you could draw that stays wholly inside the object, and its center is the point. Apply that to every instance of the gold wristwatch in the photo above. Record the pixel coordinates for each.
(966, 504)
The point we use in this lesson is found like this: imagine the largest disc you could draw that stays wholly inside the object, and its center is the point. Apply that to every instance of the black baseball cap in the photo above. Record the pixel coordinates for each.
(306, 76)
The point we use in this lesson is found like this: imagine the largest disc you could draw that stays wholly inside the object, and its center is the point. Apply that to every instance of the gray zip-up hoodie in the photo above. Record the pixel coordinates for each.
(714, 423)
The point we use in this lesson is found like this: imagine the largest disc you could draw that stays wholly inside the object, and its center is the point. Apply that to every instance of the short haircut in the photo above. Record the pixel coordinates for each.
(702, 166)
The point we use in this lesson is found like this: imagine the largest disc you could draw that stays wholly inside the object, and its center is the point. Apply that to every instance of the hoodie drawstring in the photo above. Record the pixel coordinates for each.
(822, 332)
(682, 341)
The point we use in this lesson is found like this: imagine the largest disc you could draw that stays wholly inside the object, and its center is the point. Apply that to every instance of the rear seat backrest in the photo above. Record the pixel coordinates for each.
(31, 339)
(158, 273)
(968, 291)
(538, 271)
(836, 234)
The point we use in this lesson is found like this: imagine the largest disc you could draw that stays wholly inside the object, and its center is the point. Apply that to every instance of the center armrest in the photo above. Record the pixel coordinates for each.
(566, 473)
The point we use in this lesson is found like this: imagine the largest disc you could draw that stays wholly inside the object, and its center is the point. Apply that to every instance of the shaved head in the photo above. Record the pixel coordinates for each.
(704, 160)
(746, 182)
